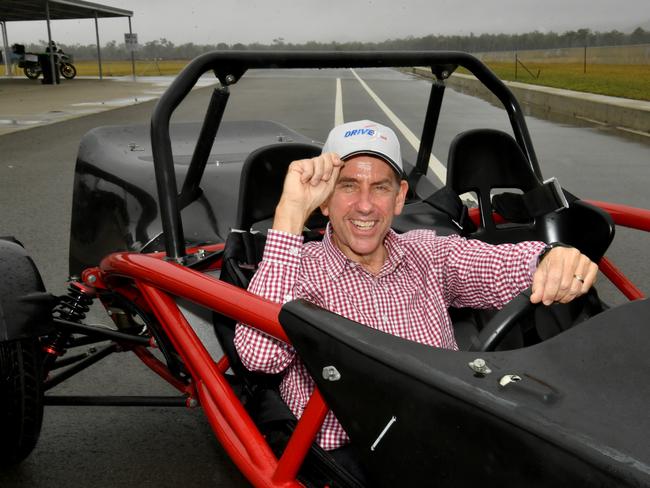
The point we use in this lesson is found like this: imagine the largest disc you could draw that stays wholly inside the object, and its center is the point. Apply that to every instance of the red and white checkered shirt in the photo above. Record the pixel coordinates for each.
(423, 275)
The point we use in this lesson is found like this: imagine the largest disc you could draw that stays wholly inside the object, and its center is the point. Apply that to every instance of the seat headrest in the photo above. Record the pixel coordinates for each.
(262, 179)
(485, 156)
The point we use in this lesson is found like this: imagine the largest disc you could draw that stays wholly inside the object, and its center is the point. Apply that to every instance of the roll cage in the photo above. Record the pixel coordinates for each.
(229, 67)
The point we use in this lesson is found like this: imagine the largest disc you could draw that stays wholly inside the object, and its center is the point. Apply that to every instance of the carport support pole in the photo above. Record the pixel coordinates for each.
(49, 42)
(132, 53)
(99, 50)
(7, 53)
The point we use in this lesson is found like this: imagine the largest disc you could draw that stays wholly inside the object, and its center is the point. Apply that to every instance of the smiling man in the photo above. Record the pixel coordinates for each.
(401, 284)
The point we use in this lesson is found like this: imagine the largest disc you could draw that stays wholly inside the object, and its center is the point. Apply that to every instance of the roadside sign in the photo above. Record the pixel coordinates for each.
(131, 41)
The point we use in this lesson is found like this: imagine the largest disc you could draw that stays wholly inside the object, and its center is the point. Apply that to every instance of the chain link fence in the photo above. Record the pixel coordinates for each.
(635, 54)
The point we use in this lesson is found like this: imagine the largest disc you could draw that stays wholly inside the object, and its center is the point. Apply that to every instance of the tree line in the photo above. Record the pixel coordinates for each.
(165, 49)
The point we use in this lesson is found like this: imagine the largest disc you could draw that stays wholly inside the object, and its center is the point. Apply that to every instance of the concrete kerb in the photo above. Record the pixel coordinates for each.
(622, 113)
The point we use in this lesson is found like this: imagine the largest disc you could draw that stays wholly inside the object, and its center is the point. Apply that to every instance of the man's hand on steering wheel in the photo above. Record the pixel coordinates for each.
(562, 275)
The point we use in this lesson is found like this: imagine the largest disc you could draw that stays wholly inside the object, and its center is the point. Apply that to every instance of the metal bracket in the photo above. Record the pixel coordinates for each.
(554, 184)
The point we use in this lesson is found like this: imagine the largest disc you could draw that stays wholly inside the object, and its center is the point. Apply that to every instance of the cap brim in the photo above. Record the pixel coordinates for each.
(400, 172)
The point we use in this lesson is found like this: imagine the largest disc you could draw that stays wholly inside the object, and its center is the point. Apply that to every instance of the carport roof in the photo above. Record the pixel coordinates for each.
(11, 10)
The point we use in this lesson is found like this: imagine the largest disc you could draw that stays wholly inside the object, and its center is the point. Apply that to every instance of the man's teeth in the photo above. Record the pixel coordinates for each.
(364, 224)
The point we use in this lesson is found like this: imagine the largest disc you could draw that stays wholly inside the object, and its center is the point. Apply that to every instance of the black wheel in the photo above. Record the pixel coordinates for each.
(32, 72)
(21, 399)
(68, 71)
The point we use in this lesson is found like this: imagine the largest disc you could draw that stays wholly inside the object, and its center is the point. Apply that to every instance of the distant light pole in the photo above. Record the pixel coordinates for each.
(7, 54)
(99, 51)
(132, 53)
(53, 64)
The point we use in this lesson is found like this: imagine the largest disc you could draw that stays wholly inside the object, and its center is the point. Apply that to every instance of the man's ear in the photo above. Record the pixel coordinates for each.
(324, 208)
(401, 196)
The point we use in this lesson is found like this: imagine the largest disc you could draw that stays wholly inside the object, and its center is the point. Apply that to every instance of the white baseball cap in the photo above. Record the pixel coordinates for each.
(365, 137)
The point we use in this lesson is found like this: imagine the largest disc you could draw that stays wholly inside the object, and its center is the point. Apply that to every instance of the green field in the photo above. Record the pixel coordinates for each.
(618, 80)
(123, 68)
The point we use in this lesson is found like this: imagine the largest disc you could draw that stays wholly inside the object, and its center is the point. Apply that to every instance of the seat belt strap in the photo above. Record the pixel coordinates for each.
(544, 199)
(446, 200)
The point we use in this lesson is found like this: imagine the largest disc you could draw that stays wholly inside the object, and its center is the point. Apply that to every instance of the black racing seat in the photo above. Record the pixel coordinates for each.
(260, 188)
(484, 160)
(261, 185)
(262, 179)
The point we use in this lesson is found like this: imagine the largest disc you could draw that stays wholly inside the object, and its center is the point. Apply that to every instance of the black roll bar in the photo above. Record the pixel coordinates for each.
(229, 66)
(428, 132)
(211, 123)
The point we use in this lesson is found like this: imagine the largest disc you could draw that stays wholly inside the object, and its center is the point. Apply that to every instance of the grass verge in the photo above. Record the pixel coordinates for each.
(123, 68)
(617, 80)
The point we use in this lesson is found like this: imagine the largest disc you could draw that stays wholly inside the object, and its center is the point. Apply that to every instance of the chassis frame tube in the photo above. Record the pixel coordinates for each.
(228, 418)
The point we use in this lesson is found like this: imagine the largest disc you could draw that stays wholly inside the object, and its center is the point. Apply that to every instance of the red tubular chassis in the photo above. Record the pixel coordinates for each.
(152, 282)
(149, 290)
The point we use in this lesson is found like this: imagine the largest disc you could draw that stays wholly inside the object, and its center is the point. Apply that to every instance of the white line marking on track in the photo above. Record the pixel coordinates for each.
(587, 119)
(434, 163)
(638, 132)
(338, 104)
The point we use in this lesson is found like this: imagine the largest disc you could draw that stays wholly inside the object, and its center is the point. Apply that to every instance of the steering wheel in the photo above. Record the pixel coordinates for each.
(503, 322)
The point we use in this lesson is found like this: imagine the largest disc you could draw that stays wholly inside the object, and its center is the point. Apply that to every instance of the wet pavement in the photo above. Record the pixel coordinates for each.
(166, 447)
(28, 103)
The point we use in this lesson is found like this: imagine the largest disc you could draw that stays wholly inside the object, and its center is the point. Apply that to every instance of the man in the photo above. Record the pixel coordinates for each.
(401, 284)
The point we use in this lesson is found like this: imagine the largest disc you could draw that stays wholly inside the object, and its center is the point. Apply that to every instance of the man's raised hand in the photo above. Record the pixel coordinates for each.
(309, 182)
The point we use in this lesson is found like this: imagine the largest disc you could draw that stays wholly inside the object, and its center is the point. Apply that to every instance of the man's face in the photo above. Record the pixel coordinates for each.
(366, 196)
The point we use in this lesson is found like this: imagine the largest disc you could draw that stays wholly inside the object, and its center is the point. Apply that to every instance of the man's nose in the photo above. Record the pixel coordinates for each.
(364, 201)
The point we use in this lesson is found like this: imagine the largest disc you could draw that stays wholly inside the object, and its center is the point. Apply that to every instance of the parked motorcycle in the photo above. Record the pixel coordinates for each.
(32, 68)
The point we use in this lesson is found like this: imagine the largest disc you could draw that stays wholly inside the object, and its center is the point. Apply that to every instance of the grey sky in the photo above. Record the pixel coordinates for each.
(213, 21)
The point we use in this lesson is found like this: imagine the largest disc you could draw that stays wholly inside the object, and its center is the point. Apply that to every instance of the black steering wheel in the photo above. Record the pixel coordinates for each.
(503, 322)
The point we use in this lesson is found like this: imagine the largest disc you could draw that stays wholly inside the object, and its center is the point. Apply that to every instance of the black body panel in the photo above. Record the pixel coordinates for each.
(25, 307)
(578, 417)
(115, 202)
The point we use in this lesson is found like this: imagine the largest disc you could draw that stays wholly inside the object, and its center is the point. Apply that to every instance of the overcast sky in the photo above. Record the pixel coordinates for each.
(214, 21)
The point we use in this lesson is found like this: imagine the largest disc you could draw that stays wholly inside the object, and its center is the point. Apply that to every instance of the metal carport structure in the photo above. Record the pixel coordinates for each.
(48, 10)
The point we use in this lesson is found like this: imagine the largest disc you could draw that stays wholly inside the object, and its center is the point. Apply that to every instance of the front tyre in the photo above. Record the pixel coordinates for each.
(68, 71)
(32, 72)
(21, 399)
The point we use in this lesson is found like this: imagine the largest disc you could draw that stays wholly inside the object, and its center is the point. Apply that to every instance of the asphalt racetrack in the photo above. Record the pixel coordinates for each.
(172, 447)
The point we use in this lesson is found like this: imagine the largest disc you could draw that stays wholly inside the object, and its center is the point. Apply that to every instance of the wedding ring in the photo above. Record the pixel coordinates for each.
(579, 278)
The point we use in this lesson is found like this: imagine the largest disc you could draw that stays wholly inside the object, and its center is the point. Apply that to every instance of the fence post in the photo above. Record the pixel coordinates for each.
(584, 65)
(516, 63)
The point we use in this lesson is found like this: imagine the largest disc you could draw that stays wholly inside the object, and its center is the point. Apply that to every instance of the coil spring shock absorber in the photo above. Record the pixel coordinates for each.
(72, 307)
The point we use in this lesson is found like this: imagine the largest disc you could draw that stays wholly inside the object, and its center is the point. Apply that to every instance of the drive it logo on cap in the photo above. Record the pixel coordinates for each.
(369, 132)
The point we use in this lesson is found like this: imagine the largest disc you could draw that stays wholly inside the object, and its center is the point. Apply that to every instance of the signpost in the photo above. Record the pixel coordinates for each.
(131, 43)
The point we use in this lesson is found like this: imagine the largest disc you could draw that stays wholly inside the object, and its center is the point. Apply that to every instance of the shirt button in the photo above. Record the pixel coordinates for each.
(294, 251)
(384, 318)
(287, 297)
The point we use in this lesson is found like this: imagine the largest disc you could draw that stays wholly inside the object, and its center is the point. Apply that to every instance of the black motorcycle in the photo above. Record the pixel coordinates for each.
(32, 68)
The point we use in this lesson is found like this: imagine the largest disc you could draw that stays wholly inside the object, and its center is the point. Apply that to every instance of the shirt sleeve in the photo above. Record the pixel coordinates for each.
(274, 280)
(481, 275)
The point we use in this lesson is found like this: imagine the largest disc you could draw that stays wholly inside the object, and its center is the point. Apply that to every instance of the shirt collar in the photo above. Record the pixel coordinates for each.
(336, 261)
